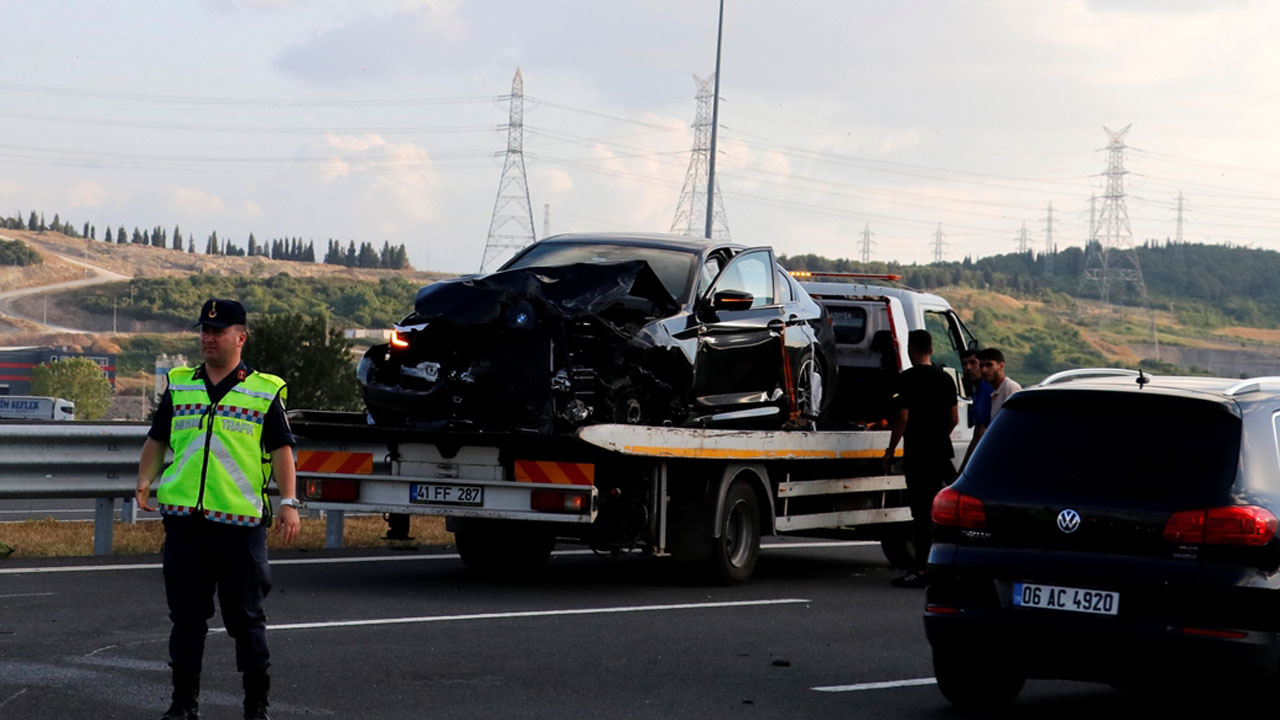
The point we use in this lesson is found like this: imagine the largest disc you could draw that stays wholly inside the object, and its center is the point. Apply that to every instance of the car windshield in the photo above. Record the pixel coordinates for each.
(673, 267)
(1100, 446)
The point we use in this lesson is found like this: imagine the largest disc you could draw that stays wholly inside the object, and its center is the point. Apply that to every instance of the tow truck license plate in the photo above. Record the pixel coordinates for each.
(446, 494)
(1052, 597)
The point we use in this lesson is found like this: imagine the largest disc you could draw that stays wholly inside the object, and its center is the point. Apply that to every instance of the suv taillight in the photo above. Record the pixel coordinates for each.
(954, 508)
(1231, 525)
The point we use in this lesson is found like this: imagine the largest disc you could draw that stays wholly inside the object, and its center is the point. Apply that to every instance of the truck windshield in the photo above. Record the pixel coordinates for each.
(673, 267)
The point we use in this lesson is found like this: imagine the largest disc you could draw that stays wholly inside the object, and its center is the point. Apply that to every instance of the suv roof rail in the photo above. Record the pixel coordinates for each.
(1252, 384)
(1077, 373)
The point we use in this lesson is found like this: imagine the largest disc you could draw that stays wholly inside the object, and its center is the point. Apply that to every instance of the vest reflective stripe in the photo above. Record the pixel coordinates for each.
(251, 393)
(219, 468)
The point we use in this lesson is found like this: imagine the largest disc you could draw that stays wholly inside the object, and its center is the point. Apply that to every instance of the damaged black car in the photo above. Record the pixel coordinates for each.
(586, 329)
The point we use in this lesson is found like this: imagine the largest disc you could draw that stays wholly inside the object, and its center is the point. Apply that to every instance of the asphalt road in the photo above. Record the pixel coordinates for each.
(818, 633)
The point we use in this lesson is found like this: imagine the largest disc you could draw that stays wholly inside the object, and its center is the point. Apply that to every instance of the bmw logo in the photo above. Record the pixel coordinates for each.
(521, 319)
(1068, 521)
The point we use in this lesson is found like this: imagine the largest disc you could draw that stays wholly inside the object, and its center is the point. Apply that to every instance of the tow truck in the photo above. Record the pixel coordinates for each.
(700, 495)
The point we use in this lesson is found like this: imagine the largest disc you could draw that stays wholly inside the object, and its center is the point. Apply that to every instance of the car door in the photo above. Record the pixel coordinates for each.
(739, 321)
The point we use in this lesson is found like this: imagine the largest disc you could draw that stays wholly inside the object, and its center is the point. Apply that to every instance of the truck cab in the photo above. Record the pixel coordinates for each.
(871, 325)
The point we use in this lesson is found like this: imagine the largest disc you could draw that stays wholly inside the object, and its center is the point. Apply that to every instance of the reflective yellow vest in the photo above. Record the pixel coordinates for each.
(219, 466)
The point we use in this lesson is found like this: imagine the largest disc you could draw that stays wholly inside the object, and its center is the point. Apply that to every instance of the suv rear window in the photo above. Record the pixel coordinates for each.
(1106, 445)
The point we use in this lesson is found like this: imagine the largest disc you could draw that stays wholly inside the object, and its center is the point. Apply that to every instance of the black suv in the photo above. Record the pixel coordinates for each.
(1113, 527)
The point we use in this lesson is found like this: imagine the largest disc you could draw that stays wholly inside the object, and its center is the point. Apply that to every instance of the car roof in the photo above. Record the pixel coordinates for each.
(1232, 391)
(653, 240)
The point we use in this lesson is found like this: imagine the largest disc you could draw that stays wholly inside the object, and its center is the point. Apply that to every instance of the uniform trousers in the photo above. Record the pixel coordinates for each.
(203, 558)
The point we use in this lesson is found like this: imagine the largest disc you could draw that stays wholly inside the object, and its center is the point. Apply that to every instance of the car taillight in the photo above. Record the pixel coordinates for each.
(1231, 525)
(954, 508)
(332, 489)
(398, 341)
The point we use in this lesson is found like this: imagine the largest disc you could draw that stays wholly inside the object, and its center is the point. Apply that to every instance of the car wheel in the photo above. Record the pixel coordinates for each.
(734, 553)
(975, 680)
(809, 387)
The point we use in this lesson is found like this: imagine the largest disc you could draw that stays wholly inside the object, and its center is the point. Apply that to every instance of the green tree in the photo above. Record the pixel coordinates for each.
(79, 380)
(33, 223)
(312, 357)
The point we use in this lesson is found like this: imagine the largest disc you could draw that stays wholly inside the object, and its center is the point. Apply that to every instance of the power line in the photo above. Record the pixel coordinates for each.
(256, 102)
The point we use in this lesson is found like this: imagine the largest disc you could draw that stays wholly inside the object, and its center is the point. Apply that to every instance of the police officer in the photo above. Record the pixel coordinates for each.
(226, 426)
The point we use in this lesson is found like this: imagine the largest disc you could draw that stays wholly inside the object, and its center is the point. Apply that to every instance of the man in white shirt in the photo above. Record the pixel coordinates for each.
(991, 361)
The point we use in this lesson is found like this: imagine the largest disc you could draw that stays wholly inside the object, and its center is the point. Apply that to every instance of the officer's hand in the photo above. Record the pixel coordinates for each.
(886, 462)
(142, 497)
(290, 524)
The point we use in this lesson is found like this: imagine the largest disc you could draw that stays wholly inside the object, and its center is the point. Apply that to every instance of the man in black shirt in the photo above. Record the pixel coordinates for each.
(926, 413)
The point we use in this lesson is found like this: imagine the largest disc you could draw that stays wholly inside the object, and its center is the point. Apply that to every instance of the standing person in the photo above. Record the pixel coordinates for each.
(226, 426)
(980, 391)
(926, 413)
(992, 361)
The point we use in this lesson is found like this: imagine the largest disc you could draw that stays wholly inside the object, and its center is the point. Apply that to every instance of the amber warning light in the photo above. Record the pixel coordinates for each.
(802, 274)
(397, 340)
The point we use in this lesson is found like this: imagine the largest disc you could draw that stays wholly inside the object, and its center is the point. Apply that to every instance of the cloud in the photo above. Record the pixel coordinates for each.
(252, 208)
(228, 6)
(376, 46)
(9, 187)
(195, 201)
(87, 193)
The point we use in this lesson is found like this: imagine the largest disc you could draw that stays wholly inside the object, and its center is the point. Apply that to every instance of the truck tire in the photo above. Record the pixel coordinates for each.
(980, 683)
(734, 553)
(498, 548)
(900, 551)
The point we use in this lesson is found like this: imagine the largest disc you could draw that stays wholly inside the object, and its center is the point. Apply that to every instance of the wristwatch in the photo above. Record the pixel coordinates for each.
(289, 502)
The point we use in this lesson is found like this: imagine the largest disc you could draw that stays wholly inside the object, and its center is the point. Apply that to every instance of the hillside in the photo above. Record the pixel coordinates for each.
(155, 299)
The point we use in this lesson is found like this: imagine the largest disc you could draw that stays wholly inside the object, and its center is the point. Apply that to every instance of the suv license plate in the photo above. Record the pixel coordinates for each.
(1052, 597)
(446, 494)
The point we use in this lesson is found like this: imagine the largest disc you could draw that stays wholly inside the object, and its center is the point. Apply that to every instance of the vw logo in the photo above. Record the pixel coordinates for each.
(1068, 521)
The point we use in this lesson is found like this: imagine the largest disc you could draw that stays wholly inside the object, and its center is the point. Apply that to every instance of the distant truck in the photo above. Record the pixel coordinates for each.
(30, 407)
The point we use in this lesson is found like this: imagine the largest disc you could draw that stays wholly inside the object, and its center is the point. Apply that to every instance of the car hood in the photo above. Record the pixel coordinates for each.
(568, 291)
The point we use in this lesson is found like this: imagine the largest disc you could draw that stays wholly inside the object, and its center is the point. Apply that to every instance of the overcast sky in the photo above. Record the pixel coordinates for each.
(381, 120)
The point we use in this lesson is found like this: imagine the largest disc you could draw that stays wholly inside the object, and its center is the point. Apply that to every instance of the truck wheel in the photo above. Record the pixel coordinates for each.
(493, 548)
(900, 552)
(734, 553)
(975, 683)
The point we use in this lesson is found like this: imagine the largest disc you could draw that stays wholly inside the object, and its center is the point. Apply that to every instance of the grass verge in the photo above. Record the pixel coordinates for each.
(47, 537)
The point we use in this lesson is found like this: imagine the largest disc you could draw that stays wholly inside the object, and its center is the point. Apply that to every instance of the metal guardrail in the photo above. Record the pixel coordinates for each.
(44, 460)
(98, 460)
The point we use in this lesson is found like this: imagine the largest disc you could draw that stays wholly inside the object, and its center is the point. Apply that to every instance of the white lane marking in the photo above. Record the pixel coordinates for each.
(18, 595)
(392, 558)
(529, 614)
(877, 685)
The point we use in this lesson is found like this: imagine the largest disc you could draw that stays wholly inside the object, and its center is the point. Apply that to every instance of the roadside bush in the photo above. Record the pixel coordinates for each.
(16, 252)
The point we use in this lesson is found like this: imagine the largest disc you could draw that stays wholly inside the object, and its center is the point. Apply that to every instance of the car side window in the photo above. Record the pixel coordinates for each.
(750, 272)
(707, 274)
(785, 294)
